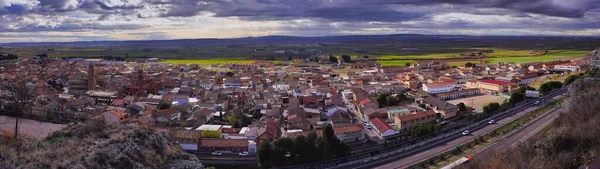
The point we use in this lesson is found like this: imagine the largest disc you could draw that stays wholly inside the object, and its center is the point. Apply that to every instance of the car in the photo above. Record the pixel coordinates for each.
(491, 121)
(466, 132)
(245, 153)
(537, 102)
(216, 153)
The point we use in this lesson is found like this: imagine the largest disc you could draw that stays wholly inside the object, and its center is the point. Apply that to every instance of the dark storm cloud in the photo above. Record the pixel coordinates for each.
(565, 8)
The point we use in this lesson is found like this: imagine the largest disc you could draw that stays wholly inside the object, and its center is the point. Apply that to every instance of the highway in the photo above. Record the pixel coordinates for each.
(406, 156)
(513, 139)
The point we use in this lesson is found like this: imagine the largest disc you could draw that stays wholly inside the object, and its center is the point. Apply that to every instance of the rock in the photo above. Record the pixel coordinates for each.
(95, 144)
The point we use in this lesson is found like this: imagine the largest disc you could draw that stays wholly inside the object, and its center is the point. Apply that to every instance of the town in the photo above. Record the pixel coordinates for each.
(229, 111)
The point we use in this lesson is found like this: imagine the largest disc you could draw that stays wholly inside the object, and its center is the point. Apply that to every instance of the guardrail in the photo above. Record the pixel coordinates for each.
(462, 144)
(418, 143)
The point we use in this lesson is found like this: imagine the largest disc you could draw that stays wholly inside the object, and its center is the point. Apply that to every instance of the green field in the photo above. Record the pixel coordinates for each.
(544, 58)
(207, 61)
(395, 62)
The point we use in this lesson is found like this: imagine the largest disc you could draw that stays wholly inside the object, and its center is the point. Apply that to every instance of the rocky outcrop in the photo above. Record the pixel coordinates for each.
(95, 144)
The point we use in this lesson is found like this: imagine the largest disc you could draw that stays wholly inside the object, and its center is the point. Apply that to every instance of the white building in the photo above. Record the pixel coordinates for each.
(570, 67)
(439, 87)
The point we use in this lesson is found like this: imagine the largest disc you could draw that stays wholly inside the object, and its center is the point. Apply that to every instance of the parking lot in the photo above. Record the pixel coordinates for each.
(477, 102)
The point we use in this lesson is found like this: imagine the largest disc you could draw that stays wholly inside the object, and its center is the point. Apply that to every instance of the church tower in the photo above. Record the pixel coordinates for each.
(91, 77)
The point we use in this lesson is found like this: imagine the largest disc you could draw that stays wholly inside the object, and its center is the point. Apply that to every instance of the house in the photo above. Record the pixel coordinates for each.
(372, 113)
(492, 85)
(350, 133)
(80, 104)
(447, 110)
(167, 115)
(334, 109)
(115, 116)
(382, 127)
(309, 101)
(203, 116)
(457, 94)
(439, 87)
(188, 139)
(405, 122)
(397, 111)
(528, 79)
(223, 145)
(341, 117)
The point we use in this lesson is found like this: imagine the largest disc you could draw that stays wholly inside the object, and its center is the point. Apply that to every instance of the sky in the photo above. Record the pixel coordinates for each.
(88, 20)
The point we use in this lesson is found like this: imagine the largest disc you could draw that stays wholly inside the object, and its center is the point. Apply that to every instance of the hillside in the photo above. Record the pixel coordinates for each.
(571, 141)
(95, 144)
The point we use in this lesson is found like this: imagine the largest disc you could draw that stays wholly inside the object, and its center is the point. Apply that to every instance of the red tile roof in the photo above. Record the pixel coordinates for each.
(348, 129)
(380, 124)
(438, 84)
(364, 101)
(496, 82)
(418, 115)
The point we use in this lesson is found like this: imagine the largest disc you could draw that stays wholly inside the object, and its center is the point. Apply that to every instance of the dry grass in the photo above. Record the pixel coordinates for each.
(571, 142)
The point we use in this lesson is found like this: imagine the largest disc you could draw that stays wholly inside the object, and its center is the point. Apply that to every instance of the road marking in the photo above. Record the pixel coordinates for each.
(422, 153)
(499, 147)
(537, 129)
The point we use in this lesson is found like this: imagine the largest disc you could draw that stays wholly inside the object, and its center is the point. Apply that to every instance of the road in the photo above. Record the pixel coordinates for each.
(412, 155)
(512, 140)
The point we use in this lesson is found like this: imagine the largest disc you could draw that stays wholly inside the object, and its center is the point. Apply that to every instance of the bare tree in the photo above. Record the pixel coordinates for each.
(19, 99)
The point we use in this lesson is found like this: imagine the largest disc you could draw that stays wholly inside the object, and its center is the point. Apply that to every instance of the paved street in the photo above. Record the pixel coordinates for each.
(523, 134)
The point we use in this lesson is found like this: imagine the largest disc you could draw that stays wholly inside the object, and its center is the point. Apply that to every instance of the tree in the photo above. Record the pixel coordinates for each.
(346, 59)
(468, 64)
(333, 59)
(257, 115)
(549, 86)
(519, 95)
(19, 100)
(335, 146)
(391, 101)
(462, 107)
(302, 149)
(401, 97)
(491, 107)
(571, 79)
(286, 145)
(210, 134)
(164, 105)
(423, 130)
(265, 154)
(454, 66)
(230, 74)
(382, 100)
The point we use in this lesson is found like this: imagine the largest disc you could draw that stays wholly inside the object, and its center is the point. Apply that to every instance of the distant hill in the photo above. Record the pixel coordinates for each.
(282, 40)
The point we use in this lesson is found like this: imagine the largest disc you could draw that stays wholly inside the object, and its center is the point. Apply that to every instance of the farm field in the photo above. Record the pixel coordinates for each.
(544, 58)
(207, 61)
(395, 62)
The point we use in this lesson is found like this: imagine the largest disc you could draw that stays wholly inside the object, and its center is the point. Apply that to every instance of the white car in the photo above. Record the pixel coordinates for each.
(491, 122)
(466, 132)
(216, 153)
(245, 153)
(537, 102)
